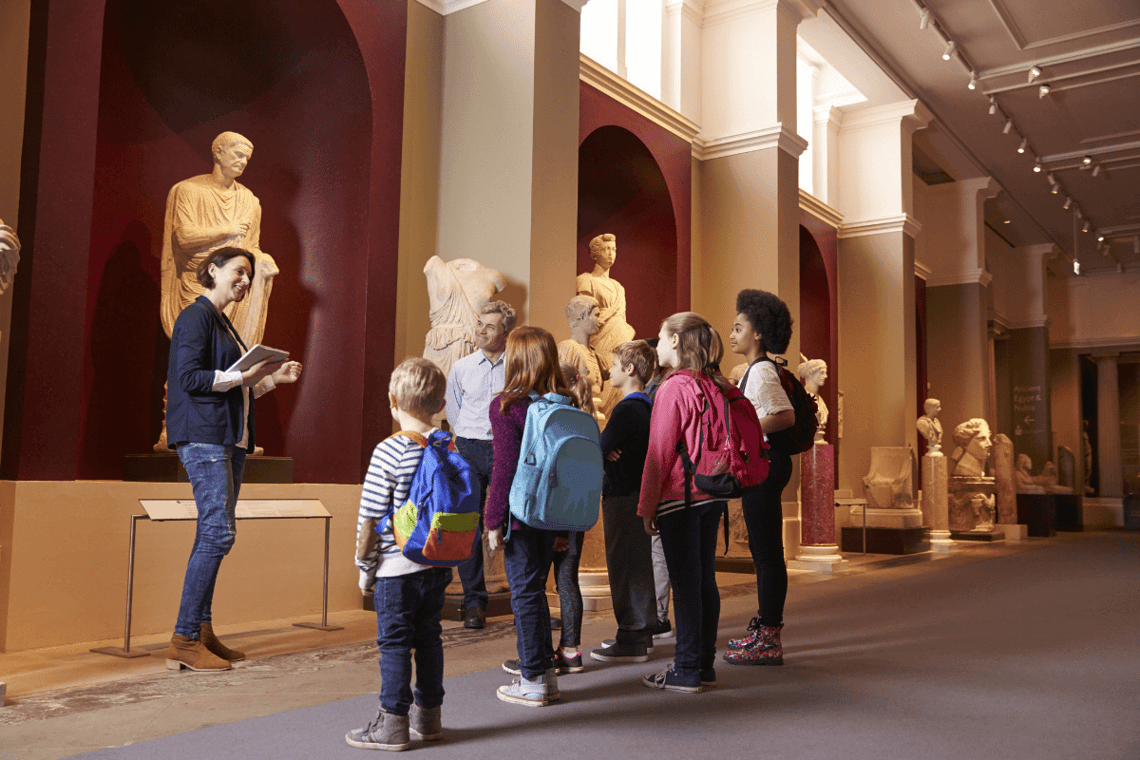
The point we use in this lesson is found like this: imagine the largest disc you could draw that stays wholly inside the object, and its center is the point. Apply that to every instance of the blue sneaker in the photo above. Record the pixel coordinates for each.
(671, 680)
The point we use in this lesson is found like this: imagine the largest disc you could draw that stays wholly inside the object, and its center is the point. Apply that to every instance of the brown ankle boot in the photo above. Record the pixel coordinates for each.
(221, 650)
(184, 652)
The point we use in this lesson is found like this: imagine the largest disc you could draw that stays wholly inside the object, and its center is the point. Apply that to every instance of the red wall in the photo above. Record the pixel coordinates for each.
(818, 324)
(635, 180)
(318, 88)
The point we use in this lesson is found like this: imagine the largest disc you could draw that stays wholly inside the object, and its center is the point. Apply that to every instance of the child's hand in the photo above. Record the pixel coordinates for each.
(614, 455)
(495, 539)
(366, 582)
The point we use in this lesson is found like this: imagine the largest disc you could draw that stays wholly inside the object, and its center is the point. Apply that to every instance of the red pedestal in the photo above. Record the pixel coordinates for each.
(817, 473)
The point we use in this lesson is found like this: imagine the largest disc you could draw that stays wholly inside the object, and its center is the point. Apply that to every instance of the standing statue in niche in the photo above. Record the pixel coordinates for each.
(9, 256)
(205, 213)
(974, 448)
(582, 316)
(813, 374)
(610, 296)
(457, 290)
(930, 428)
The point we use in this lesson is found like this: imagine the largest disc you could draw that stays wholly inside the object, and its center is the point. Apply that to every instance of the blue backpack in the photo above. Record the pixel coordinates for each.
(439, 523)
(558, 483)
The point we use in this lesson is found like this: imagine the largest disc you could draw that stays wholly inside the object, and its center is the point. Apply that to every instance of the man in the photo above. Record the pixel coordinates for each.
(472, 383)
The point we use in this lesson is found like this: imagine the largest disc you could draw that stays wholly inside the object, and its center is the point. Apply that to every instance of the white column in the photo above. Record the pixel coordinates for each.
(681, 56)
(1108, 462)
(826, 121)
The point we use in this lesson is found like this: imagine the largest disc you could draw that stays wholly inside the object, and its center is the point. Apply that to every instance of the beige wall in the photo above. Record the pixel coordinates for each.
(1095, 310)
(419, 177)
(877, 349)
(1065, 406)
(66, 571)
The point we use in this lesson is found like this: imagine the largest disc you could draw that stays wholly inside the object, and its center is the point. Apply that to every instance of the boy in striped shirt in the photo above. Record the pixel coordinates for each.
(408, 596)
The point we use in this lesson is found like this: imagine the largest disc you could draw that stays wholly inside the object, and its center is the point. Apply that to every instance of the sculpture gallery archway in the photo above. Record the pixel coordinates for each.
(817, 318)
(622, 190)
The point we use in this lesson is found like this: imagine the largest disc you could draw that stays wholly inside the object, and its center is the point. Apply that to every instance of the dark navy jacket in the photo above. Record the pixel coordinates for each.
(200, 344)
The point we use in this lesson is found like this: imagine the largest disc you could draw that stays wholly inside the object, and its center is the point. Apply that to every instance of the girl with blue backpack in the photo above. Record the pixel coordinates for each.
(533, 376)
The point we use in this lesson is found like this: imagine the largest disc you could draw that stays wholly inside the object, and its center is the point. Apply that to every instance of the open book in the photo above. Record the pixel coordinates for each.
(256, 355)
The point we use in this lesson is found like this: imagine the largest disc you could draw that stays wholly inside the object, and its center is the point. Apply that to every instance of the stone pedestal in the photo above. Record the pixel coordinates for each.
(818, 550)
(886, 518)
(1038, 513)
(971, 503)
(935, 509)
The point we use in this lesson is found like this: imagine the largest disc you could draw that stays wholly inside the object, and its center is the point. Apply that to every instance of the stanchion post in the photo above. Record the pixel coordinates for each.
(324, 624)
(126, 650)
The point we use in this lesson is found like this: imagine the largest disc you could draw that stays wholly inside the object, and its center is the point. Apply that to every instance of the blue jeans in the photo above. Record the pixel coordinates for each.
(480, 455)
(408, 610)
(764, 518)
(527, 559)
(215, 474)
(689, 539)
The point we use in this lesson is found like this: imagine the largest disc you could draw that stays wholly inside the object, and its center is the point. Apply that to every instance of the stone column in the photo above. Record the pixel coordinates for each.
(935, 503)
(1108, 462)
(681, 56)
(818, 550)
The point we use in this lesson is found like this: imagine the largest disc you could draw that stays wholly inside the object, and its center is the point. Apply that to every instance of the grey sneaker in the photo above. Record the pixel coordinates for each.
(425, 722)
(538, 692)
(386, 731)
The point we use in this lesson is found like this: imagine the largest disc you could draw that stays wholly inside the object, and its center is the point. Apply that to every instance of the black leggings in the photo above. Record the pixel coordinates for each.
(764, 518)
(569, 593)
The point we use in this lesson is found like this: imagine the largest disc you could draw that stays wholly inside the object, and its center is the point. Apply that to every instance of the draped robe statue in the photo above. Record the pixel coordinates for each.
(457, 290)
(610, 295)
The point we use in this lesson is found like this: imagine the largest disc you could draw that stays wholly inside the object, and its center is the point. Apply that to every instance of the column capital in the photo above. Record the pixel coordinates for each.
(447, 7)
(909, 113)
(723, 11)
(904, 223)
(1105, 356)
(775, 136)
(693, 9)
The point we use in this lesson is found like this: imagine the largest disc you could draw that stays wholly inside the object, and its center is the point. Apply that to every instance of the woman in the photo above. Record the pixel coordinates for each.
(531, 366)
(691, 348)
(761, 330)
(210, 423)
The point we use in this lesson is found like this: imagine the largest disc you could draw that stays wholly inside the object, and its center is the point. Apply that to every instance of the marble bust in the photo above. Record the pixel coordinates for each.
(1028, 483)
(610, 295)
(582, 316)
(9, 256)
(813, 374)
(205, 213)
(457, 290)
(974, 447)
(929, 426)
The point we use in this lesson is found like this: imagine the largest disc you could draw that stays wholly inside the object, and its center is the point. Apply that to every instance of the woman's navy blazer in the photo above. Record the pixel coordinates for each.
(203, 341)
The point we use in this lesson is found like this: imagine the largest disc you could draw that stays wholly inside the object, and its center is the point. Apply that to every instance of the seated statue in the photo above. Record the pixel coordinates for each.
(888, 485)
(813, 374)
(610, 295)
(929, 427)
(1027, 483)
(974, 448)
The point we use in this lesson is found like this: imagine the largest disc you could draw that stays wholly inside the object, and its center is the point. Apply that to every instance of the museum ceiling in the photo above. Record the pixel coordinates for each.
(1058, 78)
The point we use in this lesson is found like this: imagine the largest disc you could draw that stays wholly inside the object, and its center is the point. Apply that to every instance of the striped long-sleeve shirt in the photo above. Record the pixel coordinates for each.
(394, 464)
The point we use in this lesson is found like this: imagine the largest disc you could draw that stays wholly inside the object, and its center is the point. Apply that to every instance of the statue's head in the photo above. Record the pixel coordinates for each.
(813, 370)
(1024, 463)
(932, 407)
(583, 310)
(974, 436)
(231, 152)
(603, 250)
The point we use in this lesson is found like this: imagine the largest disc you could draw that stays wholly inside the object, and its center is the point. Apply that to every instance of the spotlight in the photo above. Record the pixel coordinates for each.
(1043, 90)
(1068, 202)
(924, 19)
(993, 105)
(1037, 167)
(1086, 160)
(1008, 126)
(1085, 228)
(949, 51)
(1100, 238)
(1051, 178)
(1056, 189)
(1024, 142)
(973, 85)
(1034, 73)
(1096, 170)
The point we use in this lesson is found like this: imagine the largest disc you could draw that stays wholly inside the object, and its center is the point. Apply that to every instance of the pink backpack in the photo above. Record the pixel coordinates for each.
(730, 460)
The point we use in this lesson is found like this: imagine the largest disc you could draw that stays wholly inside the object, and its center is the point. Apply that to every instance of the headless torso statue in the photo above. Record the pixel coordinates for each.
(205, 213)
(457, 290)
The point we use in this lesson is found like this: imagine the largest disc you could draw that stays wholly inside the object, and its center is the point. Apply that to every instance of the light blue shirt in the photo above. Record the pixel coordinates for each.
(471, 384)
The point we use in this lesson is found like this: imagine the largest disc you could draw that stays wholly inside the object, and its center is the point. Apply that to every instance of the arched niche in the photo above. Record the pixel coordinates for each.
(817, 318)
(622, 190)
(296, 80)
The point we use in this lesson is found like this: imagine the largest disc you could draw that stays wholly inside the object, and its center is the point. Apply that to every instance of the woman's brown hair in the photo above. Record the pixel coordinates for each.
(699, 348)
(219, 258)
(531, 366)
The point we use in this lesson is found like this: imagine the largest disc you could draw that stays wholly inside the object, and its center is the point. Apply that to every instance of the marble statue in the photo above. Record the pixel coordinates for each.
(982, 507)
(1028, 483)
(888, 484)
(929, 426)
(205, 213)
(9, 256)
(974, 447)
(582, 316)
(610, 295)
(813, 374)
(457, 290)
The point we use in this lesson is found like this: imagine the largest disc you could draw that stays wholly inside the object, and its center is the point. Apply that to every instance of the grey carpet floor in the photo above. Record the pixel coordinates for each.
(1032, 655)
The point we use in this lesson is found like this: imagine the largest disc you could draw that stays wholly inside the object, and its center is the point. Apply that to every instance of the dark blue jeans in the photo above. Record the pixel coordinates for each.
(408, 610)
(569, 592)
(527, 559)
(764, 518)
(689, 539)
(480, 455)
(215, 474)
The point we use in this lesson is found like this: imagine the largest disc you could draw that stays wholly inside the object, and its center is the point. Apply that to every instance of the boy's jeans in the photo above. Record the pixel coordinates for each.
(408, 610)
(215, 473)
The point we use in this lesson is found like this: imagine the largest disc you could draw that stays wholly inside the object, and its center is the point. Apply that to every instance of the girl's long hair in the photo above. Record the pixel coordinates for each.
(530, 366)
(699, 348)
(579, 385)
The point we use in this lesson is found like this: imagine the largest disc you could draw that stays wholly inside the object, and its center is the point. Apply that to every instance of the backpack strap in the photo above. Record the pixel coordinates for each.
(419, 438)
(689, 465)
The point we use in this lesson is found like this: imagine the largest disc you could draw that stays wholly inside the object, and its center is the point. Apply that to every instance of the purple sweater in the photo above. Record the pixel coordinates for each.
(506, 436)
